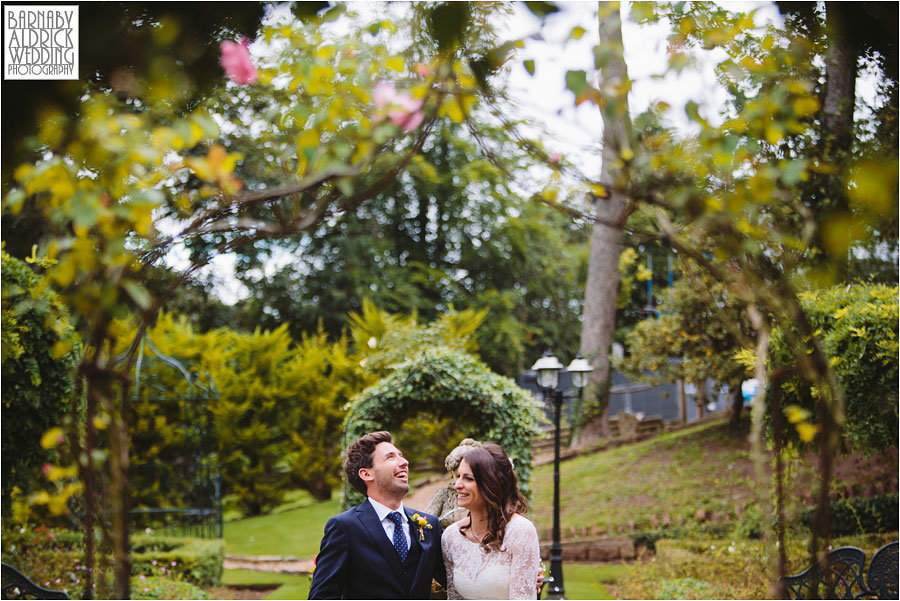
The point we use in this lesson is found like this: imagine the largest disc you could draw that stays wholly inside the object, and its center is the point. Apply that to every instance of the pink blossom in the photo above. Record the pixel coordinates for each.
(383, 94)
(422, 70)
(46, 468)
(236, 62)
(405, 111)
(555, 158)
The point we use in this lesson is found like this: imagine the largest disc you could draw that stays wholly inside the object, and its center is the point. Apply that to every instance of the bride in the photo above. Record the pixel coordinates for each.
(493, 553)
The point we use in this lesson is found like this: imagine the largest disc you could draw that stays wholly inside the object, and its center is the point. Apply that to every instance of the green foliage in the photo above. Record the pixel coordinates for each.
(857, 326)
(857, 515)
(452, 232)
(714, 568)
(272, 425)
(194, 560)
(55, 559)
(40, 354)
(384, 340)
(700, 323)
(449, 383)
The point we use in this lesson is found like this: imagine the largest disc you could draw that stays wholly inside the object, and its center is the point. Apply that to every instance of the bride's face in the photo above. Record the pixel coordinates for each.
(468, 495)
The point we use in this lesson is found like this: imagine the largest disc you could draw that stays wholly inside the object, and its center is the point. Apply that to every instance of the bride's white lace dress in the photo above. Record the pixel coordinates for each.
(510, 573)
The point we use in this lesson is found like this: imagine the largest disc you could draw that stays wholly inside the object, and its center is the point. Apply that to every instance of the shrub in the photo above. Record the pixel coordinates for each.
(858, 329)
(194, 560)
(858, 515)
(51, 558)
(40, 351)
(272, 426)
(55, 559)
(156, 587)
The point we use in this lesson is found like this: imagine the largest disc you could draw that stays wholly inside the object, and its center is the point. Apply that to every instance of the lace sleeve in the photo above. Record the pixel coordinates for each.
(522, 544)
(447, 550)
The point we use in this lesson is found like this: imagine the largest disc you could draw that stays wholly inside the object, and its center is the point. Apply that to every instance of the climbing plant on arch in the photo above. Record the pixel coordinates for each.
(449, 383)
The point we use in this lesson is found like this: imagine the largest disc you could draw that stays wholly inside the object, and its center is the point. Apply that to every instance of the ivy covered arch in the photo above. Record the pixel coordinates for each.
(453, 384)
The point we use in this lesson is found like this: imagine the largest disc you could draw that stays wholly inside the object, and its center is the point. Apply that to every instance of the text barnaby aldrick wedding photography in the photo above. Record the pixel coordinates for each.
(40, 42)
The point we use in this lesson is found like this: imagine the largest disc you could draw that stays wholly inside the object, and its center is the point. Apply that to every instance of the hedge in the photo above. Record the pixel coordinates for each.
(857, 326)
(40, 353)
(55, 559)
(196, 560)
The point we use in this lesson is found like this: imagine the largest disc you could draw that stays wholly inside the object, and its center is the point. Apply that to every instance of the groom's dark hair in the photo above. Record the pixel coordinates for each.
(359, 455)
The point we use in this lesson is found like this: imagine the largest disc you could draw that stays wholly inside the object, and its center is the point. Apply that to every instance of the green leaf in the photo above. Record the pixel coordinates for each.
(529, 66)
(307, 10)
(691, 109)
(332, 13)
(576, 33)
(138, 294)
(447, 22)
(576, 81)
(84, 211)
(602, 54)
(542, 9)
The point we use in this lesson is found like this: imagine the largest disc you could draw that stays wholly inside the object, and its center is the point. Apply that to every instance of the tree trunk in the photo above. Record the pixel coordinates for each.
(737, 406)
(840, 84)
(606, 240)
(841, 57)
(700, 398)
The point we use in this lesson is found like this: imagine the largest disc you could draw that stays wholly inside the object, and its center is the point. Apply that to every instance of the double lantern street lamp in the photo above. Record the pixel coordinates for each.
(548, 369)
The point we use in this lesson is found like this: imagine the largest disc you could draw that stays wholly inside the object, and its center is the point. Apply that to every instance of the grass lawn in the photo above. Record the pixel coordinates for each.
(295, 529)
(587, 580)
(289, 586)
(582, 581)
(670, 476)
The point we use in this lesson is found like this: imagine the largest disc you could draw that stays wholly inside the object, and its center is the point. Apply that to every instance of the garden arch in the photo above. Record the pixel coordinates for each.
(449, 383)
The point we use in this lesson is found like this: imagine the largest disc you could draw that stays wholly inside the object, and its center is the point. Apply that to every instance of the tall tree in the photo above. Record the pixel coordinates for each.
(611, 211)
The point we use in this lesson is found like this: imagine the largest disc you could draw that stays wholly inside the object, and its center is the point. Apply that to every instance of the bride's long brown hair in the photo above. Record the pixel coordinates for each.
(497, 482)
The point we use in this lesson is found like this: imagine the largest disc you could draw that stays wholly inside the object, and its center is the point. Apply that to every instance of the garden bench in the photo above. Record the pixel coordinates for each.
(17, 586)
(844, 578)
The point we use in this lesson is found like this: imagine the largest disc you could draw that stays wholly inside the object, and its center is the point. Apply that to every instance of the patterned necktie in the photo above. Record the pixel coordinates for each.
(399, 537)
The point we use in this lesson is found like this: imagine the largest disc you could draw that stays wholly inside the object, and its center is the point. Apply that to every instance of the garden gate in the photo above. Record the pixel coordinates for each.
(175, 477)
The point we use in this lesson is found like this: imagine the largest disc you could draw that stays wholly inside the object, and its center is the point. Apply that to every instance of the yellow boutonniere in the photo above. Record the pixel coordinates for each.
(421, 523)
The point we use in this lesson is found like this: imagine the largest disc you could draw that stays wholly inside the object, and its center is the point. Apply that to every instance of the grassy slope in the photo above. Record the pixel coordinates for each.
(294, 530)
(673, 475)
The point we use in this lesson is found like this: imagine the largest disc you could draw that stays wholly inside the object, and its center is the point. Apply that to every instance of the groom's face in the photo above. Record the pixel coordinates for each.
(390, 470)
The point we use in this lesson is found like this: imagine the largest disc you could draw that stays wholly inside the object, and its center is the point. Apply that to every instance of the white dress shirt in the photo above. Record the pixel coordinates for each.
(388, 524)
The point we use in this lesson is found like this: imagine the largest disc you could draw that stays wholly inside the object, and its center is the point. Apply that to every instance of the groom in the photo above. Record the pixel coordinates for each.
(376, 550)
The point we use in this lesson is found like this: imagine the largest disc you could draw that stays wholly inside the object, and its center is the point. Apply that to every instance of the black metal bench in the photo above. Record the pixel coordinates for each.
(17, 586)
(845, 578)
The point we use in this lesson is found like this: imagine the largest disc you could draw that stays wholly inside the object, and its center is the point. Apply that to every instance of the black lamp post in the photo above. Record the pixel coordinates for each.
(548, 369)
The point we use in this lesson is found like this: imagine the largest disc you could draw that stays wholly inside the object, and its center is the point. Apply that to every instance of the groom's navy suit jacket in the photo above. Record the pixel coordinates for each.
(357, 560)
